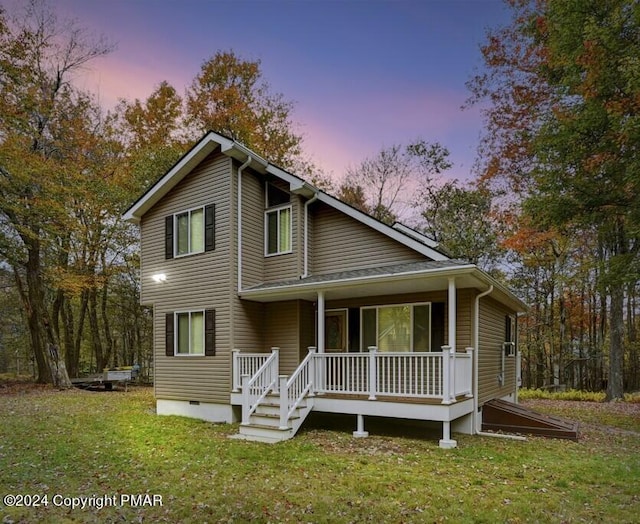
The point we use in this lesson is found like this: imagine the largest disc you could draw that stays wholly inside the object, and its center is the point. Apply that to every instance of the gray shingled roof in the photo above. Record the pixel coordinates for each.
(383, 271)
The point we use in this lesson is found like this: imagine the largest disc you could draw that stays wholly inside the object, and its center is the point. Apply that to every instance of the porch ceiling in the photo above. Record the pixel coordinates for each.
(419, 277)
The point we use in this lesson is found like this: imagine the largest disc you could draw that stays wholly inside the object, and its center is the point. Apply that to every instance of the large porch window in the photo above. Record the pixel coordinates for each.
(397, 328)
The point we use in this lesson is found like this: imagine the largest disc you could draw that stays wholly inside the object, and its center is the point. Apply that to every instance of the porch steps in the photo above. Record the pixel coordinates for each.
(500, 415)
(264, 423)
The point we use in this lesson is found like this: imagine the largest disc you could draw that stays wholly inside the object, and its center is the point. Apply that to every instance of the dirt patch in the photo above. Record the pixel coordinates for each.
(22, 386)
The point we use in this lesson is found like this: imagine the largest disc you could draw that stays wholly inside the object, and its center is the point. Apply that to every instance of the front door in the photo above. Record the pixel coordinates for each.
(336, 330)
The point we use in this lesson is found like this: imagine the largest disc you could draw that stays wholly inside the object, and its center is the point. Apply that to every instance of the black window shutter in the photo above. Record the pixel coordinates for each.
(168, 237)
(210, 227)
(169, 335)
(210, 332)
(437, 326)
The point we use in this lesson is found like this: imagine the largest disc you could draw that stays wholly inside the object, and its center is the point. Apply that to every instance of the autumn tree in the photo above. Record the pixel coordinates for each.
(38, 57)
(562, 129)
(230, 96)
(463, 220)
(153, 131)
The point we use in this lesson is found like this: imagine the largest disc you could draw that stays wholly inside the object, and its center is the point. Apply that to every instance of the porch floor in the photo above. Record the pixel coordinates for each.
(387, 398)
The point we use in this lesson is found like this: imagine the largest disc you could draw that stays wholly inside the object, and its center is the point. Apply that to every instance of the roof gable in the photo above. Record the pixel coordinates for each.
(211, 141)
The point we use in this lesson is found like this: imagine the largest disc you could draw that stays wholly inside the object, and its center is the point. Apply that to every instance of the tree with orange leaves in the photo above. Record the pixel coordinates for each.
(562, 132)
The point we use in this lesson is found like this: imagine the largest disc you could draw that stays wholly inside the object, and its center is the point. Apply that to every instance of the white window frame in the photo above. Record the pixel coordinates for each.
(278, 210)
(175, 232)
(412, 305)
(176, 333)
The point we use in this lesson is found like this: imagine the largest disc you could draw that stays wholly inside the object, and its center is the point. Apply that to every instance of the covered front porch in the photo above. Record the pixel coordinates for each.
(398, 341)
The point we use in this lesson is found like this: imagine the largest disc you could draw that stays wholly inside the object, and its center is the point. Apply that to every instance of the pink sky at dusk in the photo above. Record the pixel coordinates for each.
(363, 74)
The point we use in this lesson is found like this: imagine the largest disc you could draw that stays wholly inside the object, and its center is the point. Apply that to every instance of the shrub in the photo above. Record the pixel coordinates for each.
(570, 394)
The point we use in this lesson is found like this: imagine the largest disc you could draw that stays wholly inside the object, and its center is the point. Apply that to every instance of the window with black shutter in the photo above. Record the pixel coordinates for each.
(190, 333)
(210, 332)
(210, 227)
(169, 335)
(168, 237)
(190, 232)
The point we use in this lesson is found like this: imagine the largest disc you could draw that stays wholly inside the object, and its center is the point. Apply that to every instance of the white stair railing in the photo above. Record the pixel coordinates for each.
(246, 364)
(255, 388)
(294, 389)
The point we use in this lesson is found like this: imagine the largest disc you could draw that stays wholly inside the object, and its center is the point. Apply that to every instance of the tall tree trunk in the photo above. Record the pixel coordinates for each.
(94, 327)
(615, 389)
(106, 325)
(33, 301)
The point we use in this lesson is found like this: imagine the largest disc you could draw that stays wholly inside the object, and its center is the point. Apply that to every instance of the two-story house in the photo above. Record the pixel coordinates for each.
(272, 298)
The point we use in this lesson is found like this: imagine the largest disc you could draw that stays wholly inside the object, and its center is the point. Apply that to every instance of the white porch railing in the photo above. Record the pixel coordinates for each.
(440, 375)
(257, 386)
(443, 375)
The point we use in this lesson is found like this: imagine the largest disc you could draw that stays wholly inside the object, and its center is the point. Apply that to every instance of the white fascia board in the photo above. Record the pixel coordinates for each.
(332, 284)
(506, 296)
(188, 162)
(181, 169)
(296, 185)
(240, 152)
(503, 295)
(383, 228)
(415, 234)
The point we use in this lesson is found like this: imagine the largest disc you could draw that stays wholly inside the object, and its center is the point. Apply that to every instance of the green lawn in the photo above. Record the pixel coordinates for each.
(96, 445)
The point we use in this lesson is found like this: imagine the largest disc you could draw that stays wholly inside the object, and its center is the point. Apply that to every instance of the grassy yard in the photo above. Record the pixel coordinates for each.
(92, 447)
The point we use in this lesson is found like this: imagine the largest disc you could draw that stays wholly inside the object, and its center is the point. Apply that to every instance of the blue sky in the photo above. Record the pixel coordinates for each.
(363, 74)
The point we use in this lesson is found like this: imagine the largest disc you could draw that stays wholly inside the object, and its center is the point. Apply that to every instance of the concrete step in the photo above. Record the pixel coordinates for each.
(263, 433)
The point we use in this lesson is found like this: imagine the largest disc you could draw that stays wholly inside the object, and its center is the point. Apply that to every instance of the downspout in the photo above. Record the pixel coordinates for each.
(239, 211)
(476, 336)
(306, 233)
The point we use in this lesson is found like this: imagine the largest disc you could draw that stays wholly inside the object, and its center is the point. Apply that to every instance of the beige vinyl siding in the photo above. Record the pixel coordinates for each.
(248, 323)
(200, 281)
(282, 326)
(252, 228)
(248, 317)
(307, 327)
(491, 334)
(342, 243)
(464, 317)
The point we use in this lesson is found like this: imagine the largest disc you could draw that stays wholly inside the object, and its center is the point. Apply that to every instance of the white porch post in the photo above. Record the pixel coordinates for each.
(320, 321)
(446, 442)
(235, 370)
(284, 402)
(245, 398)
(360, 432)
(373, 372)
(451, 300)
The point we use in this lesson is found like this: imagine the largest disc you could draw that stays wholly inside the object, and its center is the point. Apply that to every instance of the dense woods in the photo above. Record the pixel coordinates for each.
(553, 210)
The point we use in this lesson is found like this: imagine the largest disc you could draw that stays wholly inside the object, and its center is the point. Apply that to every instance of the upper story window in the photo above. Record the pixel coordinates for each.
(190, 232)
(277, 221)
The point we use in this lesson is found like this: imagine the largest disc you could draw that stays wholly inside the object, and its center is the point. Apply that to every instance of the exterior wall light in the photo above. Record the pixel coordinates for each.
(159, 277)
